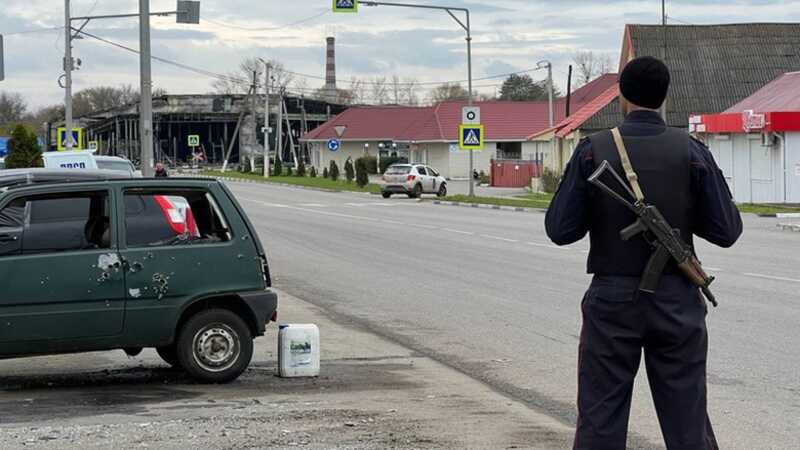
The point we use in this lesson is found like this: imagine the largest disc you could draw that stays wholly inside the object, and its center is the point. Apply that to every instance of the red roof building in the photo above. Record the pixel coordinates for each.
(756, 142)
(428, 134)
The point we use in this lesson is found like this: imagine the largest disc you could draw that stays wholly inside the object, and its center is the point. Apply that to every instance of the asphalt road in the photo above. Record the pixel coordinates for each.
(486, 293)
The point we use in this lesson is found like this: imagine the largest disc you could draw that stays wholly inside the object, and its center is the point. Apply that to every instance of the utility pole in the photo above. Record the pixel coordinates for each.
(266, 119)
(255, 119)
(664, 29)
(68, 65)
(279, 128)
(146, 95)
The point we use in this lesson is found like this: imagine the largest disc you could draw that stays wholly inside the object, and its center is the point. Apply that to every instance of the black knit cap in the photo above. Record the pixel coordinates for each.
(644, 82)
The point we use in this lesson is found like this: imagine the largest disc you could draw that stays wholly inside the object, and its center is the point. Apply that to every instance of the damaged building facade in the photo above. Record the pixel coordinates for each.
(225, 124)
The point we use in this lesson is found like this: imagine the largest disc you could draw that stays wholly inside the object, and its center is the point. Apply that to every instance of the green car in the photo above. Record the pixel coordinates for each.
(93, 260)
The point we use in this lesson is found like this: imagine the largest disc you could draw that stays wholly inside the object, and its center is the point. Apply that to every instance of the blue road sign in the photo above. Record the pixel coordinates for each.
(4, 146)
(333, 145)
(345, 6)
(471, 137)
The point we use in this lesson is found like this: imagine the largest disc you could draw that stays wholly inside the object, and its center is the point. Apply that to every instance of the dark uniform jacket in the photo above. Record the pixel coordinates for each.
(713, 215)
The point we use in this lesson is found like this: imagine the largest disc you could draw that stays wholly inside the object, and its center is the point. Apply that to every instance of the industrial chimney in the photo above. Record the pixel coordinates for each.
(330, 71)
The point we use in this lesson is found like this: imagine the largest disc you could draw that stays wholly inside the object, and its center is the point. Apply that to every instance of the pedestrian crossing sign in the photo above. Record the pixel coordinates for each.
(345, 6)
(470, 137)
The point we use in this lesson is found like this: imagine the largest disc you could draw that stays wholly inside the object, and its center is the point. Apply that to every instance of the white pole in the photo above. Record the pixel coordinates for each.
(68, 76)
(266, 121)
(469, 78)
(146, 97)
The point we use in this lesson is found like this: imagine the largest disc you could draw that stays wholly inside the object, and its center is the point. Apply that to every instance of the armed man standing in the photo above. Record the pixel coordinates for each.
(642, 191)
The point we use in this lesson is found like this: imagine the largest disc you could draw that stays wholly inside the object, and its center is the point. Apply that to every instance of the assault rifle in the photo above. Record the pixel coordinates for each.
(666, 241)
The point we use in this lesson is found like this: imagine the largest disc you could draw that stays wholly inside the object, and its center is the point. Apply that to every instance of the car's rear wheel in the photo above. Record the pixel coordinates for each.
(386, 194)
(169, 354)
(215, 346)
(442, 192)
(417, 192)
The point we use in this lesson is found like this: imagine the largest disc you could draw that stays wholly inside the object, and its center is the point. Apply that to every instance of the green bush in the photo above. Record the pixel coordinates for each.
(334, 171)
(288, 171)
(349, 170)
(325, 173)
(313, 172)
(550, 181)
(372, 164)
(388, 161)
(23, 149)
(277, 168)
(301, 168)
(362, 175)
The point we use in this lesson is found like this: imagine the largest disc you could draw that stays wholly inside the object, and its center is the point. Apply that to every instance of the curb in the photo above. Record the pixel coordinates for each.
(781, 215)
(494, 207)
(295, 186)
(789, 227)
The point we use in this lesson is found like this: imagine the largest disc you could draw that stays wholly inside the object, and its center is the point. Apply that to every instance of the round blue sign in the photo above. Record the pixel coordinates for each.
(333, 145)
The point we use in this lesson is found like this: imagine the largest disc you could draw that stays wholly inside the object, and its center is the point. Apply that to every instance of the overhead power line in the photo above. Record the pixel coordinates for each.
(420, 83)
(36, 30)
(281, 27)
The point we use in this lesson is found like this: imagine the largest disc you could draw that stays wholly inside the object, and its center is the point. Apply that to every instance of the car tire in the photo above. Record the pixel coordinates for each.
(169, 354)
(416, 192)
(386, 194)
(442, 192)
(215, 346)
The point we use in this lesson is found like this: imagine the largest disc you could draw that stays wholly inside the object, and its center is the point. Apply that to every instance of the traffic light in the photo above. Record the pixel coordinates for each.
(188, 12)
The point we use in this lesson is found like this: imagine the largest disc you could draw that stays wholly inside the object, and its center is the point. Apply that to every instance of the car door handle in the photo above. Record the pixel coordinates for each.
(8, 237)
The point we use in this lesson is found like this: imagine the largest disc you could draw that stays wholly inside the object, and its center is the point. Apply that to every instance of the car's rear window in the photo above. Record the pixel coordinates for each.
(398, 170)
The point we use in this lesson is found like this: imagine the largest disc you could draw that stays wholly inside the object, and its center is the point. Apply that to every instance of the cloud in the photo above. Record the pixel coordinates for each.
(509, 35)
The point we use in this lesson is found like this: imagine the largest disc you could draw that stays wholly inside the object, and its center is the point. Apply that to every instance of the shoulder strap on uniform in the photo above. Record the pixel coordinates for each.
(633, 179)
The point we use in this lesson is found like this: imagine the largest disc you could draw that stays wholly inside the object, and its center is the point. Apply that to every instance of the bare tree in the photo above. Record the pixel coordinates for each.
(239, 82)
(410, 91)
(397, 90)
(448, 91)
(591, 65)
(13, 108)
(379, 90)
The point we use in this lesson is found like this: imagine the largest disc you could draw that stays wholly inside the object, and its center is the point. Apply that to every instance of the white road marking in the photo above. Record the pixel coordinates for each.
(770, 277)
(450, 230)
(313, 205)
(427, 227)
(714, 269)
(393, 222)
(324, 213)
(498, 238)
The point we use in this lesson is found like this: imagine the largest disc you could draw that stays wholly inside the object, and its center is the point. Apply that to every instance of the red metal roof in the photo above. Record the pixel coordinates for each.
(780, 95)
(504, 121)
(773, 108)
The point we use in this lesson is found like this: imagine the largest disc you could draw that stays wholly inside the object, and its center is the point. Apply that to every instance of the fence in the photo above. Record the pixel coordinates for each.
(514, 173)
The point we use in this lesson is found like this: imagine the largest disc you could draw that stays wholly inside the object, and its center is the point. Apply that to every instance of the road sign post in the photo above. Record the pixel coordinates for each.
(63, 144)
(471, 137)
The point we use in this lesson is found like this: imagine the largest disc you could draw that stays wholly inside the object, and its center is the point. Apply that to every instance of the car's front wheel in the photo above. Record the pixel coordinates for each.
(386, 194)
(215, 346)
(442, 192)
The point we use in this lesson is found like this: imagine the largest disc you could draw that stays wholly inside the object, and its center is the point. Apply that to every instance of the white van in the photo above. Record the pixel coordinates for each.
(86, 159)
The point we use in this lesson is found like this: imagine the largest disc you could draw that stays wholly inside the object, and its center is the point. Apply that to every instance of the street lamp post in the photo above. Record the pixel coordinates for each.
(467, 27)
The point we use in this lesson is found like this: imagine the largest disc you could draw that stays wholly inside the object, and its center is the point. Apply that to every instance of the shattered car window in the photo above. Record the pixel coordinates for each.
(157, 218)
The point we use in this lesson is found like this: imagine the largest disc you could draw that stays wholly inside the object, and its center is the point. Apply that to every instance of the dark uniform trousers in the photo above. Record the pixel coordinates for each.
(618, 322)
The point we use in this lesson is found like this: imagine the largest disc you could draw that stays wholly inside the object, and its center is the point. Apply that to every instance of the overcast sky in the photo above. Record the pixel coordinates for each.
(509, 35)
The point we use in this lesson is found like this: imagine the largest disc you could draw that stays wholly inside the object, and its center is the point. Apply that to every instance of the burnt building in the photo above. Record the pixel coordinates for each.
(224, 124)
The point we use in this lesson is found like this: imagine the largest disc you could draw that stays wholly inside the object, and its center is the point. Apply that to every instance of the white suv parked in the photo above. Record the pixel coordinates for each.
(413, 180)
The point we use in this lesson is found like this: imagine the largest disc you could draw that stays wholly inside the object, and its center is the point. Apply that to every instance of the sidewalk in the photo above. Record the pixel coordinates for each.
(372, 394)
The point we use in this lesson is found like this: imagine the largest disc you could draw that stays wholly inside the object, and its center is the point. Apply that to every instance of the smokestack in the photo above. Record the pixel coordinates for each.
(330, 70)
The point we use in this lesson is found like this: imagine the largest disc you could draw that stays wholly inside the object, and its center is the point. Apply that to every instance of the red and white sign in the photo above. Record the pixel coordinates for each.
(752, 121)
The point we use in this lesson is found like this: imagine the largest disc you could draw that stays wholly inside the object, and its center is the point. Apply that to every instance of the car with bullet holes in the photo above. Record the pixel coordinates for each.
(100, 260)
